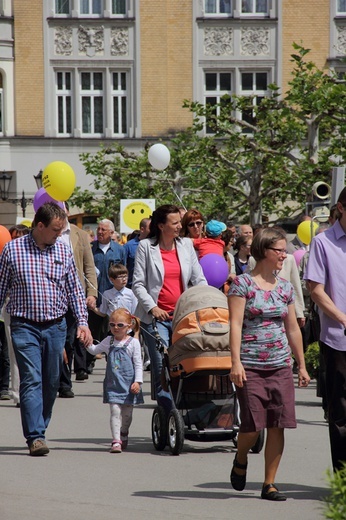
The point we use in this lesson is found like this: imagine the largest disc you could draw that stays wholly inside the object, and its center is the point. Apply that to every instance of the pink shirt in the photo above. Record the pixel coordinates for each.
(172, 286)
(207, 245)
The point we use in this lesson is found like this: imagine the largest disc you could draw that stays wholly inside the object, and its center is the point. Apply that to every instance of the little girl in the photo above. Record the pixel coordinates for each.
(124, 374)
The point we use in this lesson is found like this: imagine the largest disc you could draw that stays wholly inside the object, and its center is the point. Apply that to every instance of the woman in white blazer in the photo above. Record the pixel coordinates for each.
(165, 266)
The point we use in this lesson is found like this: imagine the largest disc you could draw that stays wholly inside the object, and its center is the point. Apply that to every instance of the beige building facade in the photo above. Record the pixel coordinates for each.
(75, 73)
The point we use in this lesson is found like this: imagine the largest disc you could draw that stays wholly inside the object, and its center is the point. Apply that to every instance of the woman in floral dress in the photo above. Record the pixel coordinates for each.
(264, 333)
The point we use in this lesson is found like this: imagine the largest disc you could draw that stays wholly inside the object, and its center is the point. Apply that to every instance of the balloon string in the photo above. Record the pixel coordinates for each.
(176, 194)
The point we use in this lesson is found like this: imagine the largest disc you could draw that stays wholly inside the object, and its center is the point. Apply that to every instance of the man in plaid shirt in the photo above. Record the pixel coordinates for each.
(39, 274)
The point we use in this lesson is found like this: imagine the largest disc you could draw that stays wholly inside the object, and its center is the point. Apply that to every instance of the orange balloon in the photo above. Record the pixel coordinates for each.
(5, 237)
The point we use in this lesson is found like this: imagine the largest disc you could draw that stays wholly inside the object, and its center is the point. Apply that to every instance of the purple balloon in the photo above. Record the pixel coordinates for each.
(298, 255)
(215, 269)
(41, 197)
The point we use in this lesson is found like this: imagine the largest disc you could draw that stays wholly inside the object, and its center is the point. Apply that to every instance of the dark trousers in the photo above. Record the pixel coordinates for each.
(4, 359)
(335, 361)
(65, 378)
(75, 353)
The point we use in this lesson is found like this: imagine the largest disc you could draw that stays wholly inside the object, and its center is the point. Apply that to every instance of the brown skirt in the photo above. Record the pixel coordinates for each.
(267, 400)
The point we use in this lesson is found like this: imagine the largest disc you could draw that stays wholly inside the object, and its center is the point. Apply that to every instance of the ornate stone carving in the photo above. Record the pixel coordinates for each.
(218, 41)
(254, 41)
(91, 41)
(341, 40)
(119, 41)
(63, 41)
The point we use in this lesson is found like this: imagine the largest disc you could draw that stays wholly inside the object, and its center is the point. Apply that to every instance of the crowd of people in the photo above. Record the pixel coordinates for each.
(69, 295)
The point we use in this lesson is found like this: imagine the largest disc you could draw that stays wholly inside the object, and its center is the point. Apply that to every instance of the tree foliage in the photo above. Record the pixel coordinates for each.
(259, 156)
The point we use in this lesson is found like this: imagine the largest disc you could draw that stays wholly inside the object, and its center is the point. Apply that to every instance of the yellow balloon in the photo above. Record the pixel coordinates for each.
(26, 222)
(58, 179)
(304, 231)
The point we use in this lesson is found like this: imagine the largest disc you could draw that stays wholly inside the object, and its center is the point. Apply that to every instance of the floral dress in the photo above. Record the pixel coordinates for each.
(264, 342)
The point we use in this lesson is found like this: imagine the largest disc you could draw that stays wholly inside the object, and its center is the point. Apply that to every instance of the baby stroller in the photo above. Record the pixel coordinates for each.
(195, 371)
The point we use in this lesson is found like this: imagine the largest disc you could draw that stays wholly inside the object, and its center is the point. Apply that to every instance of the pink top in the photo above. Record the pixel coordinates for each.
(172, 286)
(205, 246)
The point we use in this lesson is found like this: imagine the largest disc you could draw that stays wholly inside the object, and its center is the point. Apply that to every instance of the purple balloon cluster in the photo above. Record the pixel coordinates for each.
(41, 197)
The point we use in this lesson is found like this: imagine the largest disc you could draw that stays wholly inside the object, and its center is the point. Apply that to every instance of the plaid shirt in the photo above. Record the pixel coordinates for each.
(41, 283)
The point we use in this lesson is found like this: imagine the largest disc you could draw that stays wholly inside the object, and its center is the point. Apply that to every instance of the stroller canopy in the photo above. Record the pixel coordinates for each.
(200, 325)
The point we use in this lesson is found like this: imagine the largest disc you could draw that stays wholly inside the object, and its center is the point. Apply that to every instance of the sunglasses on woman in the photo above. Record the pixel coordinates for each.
(198, 223)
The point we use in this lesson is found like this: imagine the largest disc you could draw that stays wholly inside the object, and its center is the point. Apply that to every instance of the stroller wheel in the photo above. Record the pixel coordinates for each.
(176, 428)
(159, 428)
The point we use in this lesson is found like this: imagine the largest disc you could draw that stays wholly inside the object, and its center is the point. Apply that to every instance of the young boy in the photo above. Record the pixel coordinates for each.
(119, 295)
(212, 243)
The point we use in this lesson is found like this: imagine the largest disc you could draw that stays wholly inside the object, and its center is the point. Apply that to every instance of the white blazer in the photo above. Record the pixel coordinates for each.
(149, 273)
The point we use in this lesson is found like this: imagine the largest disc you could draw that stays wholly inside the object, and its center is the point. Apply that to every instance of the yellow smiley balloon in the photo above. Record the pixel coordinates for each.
(134, 212)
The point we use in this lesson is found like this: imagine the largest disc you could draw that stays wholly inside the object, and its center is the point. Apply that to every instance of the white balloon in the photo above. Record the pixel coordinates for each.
(159, 156)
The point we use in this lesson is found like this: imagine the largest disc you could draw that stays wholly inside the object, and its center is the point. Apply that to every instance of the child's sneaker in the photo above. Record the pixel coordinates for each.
(116, 447)
(124, 440)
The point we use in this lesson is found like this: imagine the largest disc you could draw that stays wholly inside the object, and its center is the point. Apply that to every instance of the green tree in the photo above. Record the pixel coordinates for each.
(259, 156)
(283, 145)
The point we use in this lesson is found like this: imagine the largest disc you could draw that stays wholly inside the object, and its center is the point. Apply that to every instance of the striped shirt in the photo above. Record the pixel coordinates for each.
(41, 283)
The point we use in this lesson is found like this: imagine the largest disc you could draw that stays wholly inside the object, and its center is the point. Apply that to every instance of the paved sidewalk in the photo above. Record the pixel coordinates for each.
(81, 480)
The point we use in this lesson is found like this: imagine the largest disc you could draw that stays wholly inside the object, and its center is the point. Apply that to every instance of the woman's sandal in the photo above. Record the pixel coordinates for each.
(238, 481)
(276, 496)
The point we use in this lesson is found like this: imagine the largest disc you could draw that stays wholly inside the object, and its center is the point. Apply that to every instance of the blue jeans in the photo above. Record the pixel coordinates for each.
(39, 353)
(165, 330)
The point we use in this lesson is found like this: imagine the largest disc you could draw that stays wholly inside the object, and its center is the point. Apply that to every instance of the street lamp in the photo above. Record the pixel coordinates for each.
(38, 179)
(5, 182)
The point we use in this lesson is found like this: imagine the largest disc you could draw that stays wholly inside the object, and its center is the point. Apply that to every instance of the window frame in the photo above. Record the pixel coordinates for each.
(90, 14)
(1, 111)
(255, 93)
(338, 11)
(253, 12)
(62, 14)
(218, 93)
(92, 94)
(218, 9)
(64, 94)
(119, 95)
(120, 15)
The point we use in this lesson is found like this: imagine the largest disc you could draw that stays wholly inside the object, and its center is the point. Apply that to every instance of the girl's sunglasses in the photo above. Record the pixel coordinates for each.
(119, 325)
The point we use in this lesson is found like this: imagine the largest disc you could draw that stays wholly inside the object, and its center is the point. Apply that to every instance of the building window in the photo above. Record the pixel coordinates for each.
(1, 107)
(216, 86)
(218, 6)
(1, 111)
(253, 84)
(254, 6)
(119, 7)
(91, 7)
(62, 6)
(341, 7)
(64, 100)
(120, 108)
(341, 74)
(92, 103)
